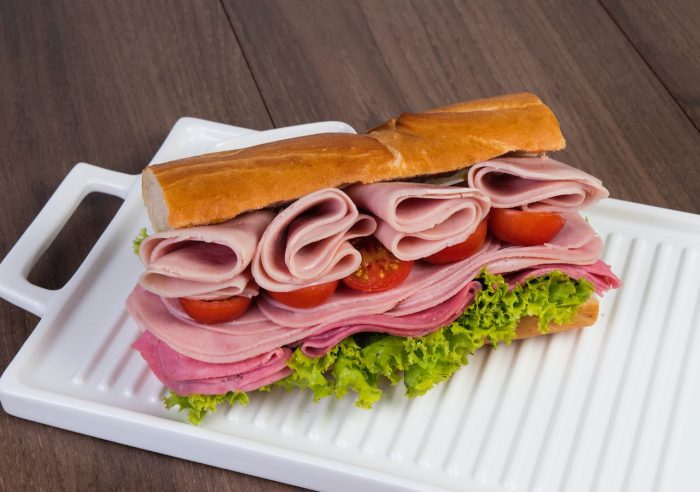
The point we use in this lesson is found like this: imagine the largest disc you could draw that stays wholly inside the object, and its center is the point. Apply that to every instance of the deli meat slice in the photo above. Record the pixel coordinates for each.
(413, 325)
(186, 376)
(211, 345)
(187, 351)
(428, 285)
(308, 243)
(204, 342)
(207, 262)
(417, 220)
(536, 183)
(576, 244)
(425, 301)
(345, 303)
(423, 322)
(599, 274)
(251, 318)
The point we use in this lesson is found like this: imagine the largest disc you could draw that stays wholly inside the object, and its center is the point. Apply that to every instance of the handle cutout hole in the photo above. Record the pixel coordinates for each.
(73, 243)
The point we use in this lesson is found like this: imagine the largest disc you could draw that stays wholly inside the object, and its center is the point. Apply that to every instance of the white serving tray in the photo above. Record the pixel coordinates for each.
(612, 407)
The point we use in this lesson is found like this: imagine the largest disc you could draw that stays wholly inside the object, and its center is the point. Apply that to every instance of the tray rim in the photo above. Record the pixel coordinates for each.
(156, 433)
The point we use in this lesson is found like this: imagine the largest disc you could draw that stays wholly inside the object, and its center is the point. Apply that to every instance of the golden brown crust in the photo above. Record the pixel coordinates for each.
(216, 187)
(586, 316)
(454, 137)
(516, 100)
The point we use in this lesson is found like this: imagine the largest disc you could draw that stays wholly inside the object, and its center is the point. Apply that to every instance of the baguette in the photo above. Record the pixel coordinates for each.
(213, 188)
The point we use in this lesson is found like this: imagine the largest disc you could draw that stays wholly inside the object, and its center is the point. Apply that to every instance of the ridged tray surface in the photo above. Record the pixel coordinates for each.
(607, 408)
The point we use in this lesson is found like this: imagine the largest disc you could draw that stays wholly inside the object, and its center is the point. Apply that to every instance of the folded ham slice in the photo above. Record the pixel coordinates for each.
(428, 285)
(431, 297)
(417, 220)
(186, 376)
(207, 262)
(308, 243)
(536, 183)
(576, 244)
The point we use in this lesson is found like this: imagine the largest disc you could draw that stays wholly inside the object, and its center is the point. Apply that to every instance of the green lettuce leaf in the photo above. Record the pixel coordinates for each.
(143, 234)
(363, 362)
(197, 406)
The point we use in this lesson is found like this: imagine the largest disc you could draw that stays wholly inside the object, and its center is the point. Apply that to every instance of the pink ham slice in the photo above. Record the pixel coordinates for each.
(308, 243)
(412, 325)
(599, 274)
(576, 244)
(208, 343)
(268, 326)
(214, 348)
(186, 376)
(428, 285)
(206, 262)
(417, 220)
(536, 183)
(252, 317)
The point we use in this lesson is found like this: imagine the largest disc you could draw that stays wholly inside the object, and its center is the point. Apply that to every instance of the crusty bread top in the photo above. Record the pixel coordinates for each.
(457, 136)
(216, 187)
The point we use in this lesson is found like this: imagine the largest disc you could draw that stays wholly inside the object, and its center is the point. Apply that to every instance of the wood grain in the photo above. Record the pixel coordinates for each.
(667, 35)
(365, 61)
(101, 82)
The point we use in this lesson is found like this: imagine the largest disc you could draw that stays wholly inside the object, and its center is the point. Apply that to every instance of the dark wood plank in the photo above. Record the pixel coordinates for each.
(364, 61)
(101, 82)
(667, 35)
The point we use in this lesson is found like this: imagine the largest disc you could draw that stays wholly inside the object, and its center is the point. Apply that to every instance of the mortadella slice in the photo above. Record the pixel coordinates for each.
(536, 183)
(308, 243)
(416, 219)
(186, 376)
(207, 262)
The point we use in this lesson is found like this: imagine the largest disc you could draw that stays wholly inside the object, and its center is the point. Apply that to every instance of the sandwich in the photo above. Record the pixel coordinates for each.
(341, 263)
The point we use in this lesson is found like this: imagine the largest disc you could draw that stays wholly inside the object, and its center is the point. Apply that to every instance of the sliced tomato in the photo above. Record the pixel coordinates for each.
(217, 311)
(306, 297)
(461, 250)
(380, 270)
(524, 228)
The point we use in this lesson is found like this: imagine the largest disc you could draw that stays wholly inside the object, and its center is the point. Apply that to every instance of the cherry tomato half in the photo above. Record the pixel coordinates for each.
(306, 297)
(461, 250)
(524, 228)
(216, 311)
(380, 270)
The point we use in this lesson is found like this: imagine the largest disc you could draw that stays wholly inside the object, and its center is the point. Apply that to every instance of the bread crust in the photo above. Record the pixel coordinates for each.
(217, 187)
(213, 188)
(586, 315)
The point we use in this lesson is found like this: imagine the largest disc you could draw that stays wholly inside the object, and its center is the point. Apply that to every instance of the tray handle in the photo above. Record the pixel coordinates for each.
(80, 181)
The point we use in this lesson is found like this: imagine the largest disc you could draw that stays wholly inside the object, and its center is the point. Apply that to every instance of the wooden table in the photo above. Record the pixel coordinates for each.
(103, 82)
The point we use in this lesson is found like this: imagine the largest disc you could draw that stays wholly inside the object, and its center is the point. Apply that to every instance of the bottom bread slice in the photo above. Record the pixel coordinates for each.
(586, 315)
